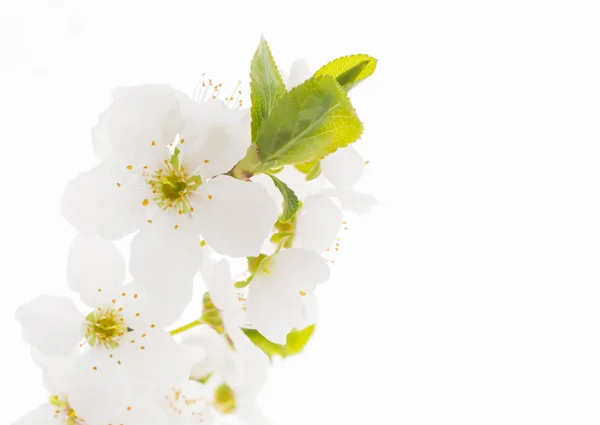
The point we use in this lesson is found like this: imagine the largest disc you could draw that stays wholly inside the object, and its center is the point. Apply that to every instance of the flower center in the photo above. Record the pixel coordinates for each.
(172, 187)
(105, 327)
(64, 410)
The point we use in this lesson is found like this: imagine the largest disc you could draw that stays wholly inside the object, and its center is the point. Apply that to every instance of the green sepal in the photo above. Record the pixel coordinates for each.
(310, 122)
(245, 169)
(277, 237)
(204, 379)
(241, 284)
(349, 71)
(211, 315)
(175, 158)
(291, 203)
(312, 169)
(296, 340)
(254, 263)
(266, 86)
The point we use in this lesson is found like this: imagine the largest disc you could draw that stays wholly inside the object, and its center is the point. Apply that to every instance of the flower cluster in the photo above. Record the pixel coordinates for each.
(196, 185)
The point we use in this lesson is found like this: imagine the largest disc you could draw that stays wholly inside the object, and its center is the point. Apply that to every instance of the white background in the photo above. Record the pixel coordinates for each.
(471, 297)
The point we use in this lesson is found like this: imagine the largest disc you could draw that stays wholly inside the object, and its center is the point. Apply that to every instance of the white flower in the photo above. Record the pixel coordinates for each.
(123, 328)
(229, 364)
(72, 399)
(163, 156)
(280, 297)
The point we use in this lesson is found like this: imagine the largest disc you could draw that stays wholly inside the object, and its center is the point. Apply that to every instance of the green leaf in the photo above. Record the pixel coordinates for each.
(295, 342)
(291, 204)
(266, 86)
(349, 70)
(311, 121)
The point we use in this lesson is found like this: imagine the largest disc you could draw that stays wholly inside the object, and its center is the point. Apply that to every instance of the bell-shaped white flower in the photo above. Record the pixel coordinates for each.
(164, 156)
(281, 293)
(123, 324)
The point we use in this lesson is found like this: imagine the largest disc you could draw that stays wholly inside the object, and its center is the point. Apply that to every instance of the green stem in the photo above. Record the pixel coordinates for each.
(187, 327)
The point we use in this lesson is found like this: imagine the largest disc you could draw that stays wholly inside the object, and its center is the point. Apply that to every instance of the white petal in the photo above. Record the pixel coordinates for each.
(299, 73)
(57, 371)
(100, 389)
(353, 201)
(94, 203)
(298, 269)
(267, 183)
(43, 415)
(142, 412)
(255, 365)
(153, 355)
(144, 309)
(272, 309)
(219, 283)
(140, 115)
(344, 167)
(216, 138)
(164, 261)
(237, 218)
(309, 313)
(101, 138)
(318, 223)
(211, 353)
(297, 182)
(53, 325)
(95, 269)
(250, 412)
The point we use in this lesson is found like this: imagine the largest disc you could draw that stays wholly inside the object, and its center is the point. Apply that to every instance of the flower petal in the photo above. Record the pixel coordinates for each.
(210, 353)
(235, 217)
(353, 201)
(142, 412)
(101, 389)
(219, 283)
(164, 261)
(101, 138)
(272, 309)
(250, 412)
(216, 138)
(318, 223)
(296, 180)
(95, 269)
(53, 325)
(45, 414)
(299, 73)
(152, 354)
(94, 203)
(141, 115)
(57, 371)
(344, 167)
(298, 269)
